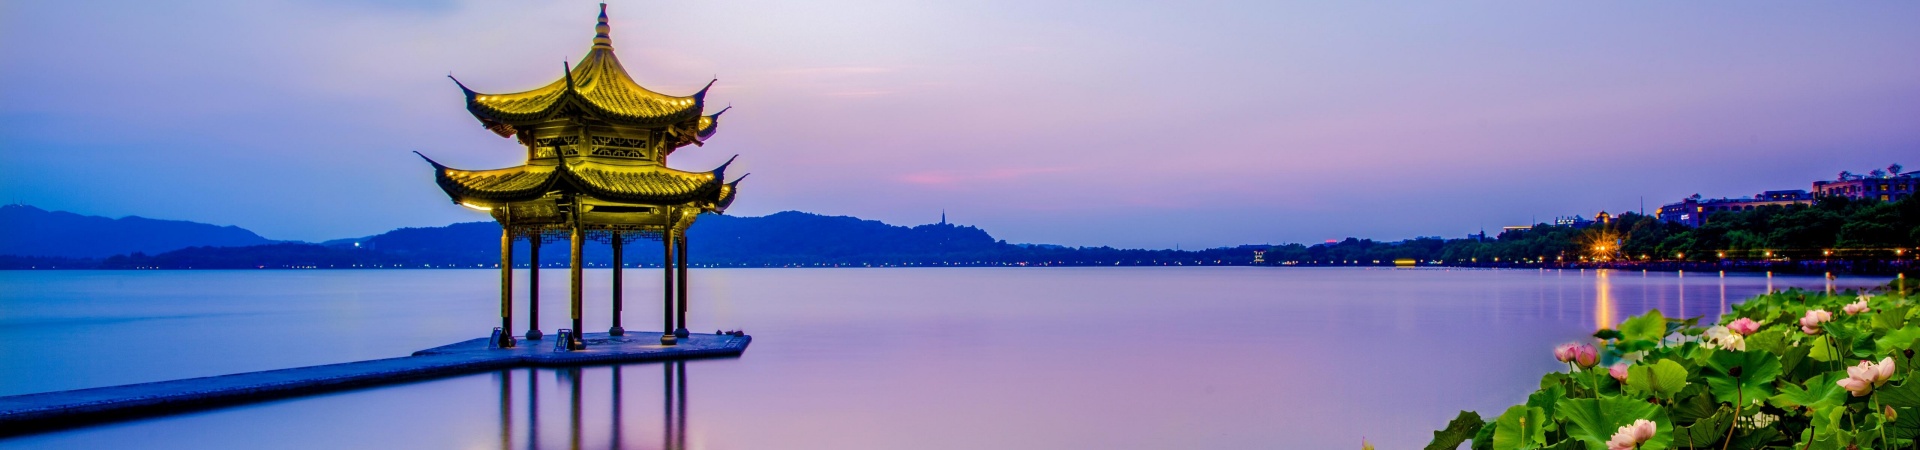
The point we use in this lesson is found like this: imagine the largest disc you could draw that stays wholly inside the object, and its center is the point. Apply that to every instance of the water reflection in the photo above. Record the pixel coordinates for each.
(580, 426)
(1603, 309)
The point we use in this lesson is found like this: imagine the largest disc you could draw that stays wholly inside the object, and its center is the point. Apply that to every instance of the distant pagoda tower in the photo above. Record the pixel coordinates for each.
(597, 146)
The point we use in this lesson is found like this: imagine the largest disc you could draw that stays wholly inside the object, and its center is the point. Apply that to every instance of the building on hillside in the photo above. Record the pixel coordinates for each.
(1693, 211)
(1575, 221)
(1886, 187)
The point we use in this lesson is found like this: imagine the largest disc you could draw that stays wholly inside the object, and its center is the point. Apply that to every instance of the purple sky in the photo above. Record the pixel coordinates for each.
(1138, 124)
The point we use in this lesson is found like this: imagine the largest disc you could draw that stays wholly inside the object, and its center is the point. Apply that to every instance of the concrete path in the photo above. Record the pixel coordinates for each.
(32, 413)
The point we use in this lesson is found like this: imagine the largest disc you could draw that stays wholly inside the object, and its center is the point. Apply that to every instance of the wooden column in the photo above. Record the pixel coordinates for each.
(681, 251)
(619, 250)
(506, 287)
(666, 262)
(573, 264)
(533, 287)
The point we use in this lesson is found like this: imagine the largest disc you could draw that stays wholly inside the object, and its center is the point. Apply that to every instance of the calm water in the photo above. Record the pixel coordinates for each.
(850, 358)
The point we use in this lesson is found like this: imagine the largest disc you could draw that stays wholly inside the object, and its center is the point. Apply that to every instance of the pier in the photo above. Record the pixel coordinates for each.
(33, 413)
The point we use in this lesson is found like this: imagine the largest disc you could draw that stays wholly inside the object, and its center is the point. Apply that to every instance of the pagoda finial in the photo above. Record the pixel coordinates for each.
(463, 87)
(600, 39)
(702, 95)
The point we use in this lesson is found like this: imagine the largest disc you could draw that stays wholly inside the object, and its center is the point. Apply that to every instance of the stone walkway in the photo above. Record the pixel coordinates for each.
(32, 413)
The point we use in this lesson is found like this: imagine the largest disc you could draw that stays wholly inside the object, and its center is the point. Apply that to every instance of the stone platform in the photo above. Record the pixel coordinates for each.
(32, 413)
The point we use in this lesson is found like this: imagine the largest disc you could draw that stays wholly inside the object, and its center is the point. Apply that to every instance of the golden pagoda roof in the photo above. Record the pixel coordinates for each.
(644, 184)
(598, 87)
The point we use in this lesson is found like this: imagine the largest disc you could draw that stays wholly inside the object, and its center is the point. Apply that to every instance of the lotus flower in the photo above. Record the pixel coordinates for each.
(1811, 323)
(1744, 326)
(1861, 379)
(1618, 371)
(1585, 356)
(1855, 307)
(1632, 435)
(1564, 352)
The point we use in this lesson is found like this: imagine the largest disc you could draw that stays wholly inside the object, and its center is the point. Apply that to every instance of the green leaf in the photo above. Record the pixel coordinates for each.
(1694, 408)
(1892, 317)
(1905, 394)
(1569, 444)
(1458, 430)
(1899, 339)
(1595, 420)
(1649, 327)
(1772, 340)
(1663, 378)
(1822, 351)
(1520, 428)
(1757, 438)
(1795, 364)
(1483, 440)
(1752, 381)
(1545, 399)
(1704, 432)
(1819, 392)
(1606, 333)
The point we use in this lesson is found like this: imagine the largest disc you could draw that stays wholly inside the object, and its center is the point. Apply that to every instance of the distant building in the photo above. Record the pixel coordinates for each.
(1886, 187)
(1693, 211)
(1603, 218)
(1575, 221)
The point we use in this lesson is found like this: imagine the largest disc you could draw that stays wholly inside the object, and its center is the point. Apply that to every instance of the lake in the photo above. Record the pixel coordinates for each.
(1121, 357)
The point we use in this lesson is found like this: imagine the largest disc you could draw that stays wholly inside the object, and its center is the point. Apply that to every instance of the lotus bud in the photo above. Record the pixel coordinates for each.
(1586, 356)
(1618, 371)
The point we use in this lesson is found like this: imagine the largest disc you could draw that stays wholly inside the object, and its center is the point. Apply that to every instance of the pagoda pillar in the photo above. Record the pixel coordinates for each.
(619, 250)
(681, 253)
(506, 287)
(573, 272)
(533, 286)
(666, 261)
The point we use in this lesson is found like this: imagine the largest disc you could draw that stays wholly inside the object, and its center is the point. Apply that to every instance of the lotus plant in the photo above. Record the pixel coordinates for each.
(1772, 373)
(1861, 379)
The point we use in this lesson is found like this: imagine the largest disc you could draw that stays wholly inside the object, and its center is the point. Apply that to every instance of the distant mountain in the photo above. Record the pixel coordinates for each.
(785, 239)
(26, 231)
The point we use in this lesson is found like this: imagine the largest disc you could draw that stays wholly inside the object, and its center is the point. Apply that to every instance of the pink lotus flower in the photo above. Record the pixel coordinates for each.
(1744, 326)
(1586, 356)
(1811, 323)
(1618, 371)
(1861, 379)
(1855, 307)
(1632, 435)
(1564, 352)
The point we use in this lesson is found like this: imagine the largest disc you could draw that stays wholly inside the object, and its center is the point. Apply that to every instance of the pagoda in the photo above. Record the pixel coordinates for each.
(597, 145)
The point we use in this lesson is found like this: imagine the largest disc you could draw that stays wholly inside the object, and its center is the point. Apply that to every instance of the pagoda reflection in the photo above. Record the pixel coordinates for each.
(589, 417)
